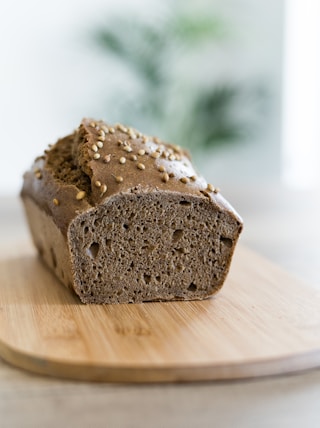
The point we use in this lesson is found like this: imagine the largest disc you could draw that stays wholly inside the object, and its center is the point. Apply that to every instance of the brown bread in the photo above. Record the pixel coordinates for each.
(121, 217)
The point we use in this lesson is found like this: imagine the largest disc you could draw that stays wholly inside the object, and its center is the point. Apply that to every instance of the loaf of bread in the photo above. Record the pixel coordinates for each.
(121, 217)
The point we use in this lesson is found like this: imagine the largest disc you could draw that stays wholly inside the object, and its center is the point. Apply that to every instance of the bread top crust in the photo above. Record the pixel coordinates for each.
(98, 161)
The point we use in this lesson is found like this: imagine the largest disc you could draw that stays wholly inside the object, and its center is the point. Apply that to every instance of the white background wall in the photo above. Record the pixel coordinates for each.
(50, 78)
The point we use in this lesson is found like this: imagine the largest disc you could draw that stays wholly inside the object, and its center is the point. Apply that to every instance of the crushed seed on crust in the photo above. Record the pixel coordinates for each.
(176, 148)
(80, 195)
(103, 189)
(155, 155)
(121, 127)
(165, 177)
(141, 166)
(184, 180)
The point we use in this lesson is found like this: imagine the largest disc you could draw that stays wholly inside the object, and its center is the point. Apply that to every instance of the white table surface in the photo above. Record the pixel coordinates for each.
(284, 226)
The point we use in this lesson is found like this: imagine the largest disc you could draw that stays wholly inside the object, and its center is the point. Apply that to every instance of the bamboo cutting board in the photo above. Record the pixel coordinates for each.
(263, 322)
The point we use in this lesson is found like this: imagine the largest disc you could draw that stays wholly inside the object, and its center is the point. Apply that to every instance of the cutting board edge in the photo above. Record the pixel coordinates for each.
(281, 365)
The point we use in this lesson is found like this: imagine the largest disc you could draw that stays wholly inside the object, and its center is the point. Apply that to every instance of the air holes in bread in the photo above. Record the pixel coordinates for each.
(146, 278)
(177, 234)
(192, 287)
(93, 250)
(226, 241)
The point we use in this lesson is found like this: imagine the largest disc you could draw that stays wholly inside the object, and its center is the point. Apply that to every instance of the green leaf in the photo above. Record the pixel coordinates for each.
(197, 28)
(110, 41)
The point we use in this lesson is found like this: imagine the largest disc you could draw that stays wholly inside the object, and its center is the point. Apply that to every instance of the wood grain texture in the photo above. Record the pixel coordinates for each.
(263, 322)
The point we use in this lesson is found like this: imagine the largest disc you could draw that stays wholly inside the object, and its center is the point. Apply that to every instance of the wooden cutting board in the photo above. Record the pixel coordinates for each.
(263, 322)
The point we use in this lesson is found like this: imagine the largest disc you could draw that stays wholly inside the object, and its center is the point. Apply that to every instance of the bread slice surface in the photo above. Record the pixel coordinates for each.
(151, 246)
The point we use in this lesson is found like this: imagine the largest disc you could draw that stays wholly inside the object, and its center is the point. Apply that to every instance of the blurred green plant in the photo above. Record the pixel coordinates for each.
(173, 92)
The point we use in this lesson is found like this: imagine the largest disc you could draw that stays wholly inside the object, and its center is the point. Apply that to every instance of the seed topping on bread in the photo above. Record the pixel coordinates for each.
(99, 159)
(130, 140)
